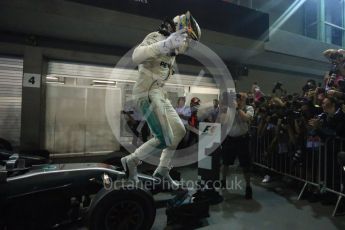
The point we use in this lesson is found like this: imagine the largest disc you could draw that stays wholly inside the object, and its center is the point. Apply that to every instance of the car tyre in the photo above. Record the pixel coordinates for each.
(122, 209)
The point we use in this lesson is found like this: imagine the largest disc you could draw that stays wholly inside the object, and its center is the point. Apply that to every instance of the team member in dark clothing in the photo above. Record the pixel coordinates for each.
(236, 144)
(332, 121)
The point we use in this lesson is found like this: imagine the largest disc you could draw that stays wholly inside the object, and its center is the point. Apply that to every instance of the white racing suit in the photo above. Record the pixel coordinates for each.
(165, 124)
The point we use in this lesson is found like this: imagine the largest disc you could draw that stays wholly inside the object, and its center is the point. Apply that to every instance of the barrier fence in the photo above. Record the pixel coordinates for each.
(314, 164)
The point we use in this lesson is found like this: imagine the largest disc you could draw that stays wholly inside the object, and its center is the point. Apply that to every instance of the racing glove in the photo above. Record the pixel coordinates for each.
(173, 42)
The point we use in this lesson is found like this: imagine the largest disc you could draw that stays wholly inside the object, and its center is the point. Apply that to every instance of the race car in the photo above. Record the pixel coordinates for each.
(35, 194)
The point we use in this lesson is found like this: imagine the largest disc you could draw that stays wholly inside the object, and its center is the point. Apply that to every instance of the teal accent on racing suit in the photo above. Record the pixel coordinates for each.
(165, 124)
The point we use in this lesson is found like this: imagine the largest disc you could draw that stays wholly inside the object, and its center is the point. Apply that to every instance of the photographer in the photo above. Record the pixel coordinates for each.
(309, 86)
(331, 122)
(283, 123)
(278, 90)
(334, 80)
(306, 112)
(337, 58)
(268, 123)
(258, 95)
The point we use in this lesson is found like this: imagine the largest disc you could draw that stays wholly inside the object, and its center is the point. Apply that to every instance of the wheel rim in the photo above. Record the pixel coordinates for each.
(125, 215)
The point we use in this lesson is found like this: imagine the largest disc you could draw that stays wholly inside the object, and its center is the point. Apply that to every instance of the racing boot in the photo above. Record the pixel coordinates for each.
(162, 173)
(129, 164)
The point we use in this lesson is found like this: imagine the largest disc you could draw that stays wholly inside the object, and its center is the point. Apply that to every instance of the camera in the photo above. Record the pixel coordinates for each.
(310, 85)
(335, 56)
(322, 117)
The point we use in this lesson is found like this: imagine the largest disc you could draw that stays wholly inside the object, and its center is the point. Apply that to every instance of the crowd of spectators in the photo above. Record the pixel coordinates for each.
(297, 123)
(318, 111)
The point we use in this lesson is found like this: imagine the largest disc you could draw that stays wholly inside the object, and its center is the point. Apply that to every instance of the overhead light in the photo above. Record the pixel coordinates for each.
(204, 90)
(52, 78)
(55, 82)
(126, 81)
(173, 84)
(103, 83)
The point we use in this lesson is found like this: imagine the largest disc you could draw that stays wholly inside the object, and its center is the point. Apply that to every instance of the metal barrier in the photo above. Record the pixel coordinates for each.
(333, 172)
(317, 165)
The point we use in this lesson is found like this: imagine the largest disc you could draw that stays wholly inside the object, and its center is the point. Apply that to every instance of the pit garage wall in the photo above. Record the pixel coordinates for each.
(289, 58)
(35, 138)
(292, 82)
(81, 45)
(84, 117)
(75, 112)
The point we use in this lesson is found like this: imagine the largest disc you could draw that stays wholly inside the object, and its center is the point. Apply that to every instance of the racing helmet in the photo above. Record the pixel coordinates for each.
(186, 21)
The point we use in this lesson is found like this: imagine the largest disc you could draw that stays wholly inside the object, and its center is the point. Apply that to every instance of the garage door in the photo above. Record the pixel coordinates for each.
(73, 89)
(77, 122)
(11, 73)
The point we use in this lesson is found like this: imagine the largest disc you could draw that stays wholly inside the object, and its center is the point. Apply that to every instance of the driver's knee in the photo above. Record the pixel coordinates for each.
(179, 134)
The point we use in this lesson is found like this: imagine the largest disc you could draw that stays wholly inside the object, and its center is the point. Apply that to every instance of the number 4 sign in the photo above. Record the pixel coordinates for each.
(32, 80)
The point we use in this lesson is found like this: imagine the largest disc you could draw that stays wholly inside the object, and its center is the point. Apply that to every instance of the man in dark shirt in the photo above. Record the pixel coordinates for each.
(331, 122)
